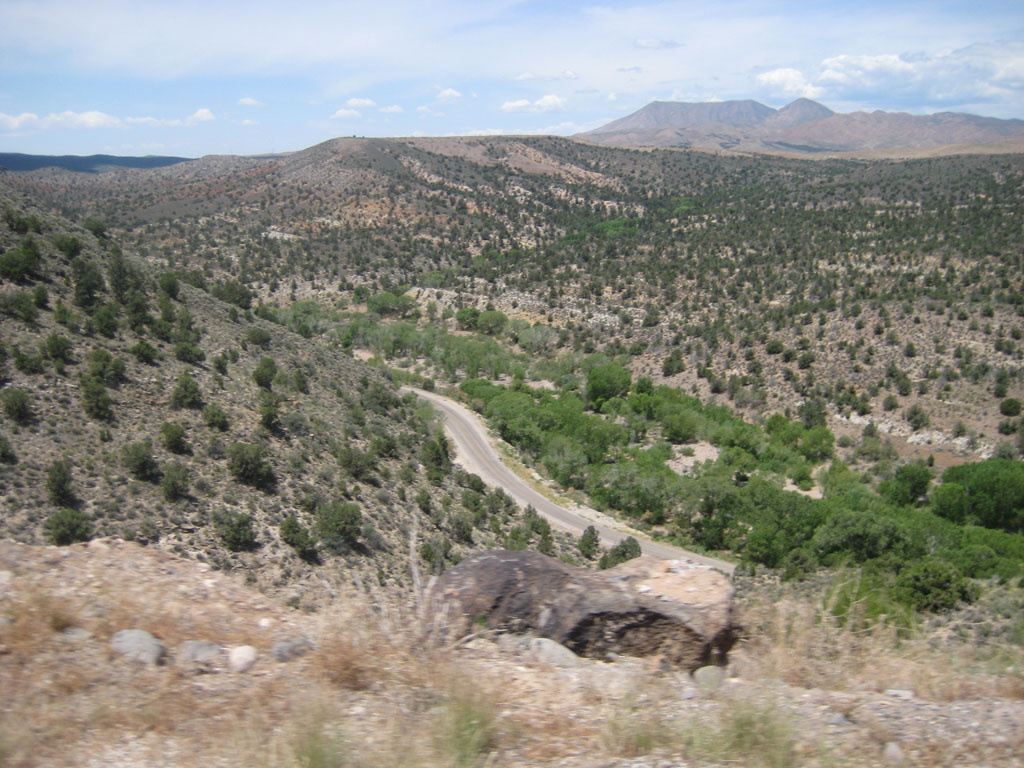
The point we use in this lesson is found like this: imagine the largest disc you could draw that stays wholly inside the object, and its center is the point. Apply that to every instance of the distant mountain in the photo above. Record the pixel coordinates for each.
(15, 161)
(805, 127)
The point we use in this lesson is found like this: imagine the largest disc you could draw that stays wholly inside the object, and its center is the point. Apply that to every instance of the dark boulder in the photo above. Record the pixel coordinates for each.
(678, 610)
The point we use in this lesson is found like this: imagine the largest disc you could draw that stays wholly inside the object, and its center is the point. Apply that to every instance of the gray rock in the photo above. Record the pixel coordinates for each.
(291, 648)
(199, 652)
(646, 606)
(838, 718)
(708, 679)
(139, 645)
(241, 658)
(550, 652)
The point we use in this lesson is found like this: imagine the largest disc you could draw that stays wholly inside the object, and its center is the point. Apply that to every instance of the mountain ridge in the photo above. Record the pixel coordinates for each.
(802, 127)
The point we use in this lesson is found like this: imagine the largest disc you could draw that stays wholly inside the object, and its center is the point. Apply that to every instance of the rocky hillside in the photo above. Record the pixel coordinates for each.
(761, 282)
(116, 655)
(137, 404)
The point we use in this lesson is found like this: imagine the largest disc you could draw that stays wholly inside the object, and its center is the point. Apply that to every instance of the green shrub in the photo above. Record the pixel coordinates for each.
(168, 283)
(338, 525)
(96, 400)
(144, 352)
(19, 304)
(1010, 407)
(7, 454)
(215, 418)
(69, 245)
(917, 417)
(105, 367)
(931, 584)
(589, 542)
(186, 393)
(104, 320)
(18, 406)
(58, 483)
(297, 536)
(67, 525)
(173, 437)
(260, 337)
(910, 483)
(189, 352)
(27, 363)
(247, 464)
(627, 549)
(138, 459)
(175, 481)
(266, 370)
(236, 531)
(58, 348)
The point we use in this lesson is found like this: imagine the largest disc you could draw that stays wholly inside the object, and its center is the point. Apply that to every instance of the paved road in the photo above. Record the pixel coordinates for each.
(475, 453)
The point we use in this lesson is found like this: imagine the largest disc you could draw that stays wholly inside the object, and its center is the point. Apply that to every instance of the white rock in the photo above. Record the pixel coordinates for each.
(893, 754)
(708, 679)
(555, 654)
(241, 658)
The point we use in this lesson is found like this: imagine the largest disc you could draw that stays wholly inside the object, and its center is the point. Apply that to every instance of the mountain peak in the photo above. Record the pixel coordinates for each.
(799, 112)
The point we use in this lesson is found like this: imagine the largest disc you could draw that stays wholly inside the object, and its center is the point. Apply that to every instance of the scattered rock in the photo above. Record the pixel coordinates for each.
(291, 648)
(550, 652)
(139, 645)
(241, 658)
(686, 615)
(899, 693)
(75, 635)
(199, 652)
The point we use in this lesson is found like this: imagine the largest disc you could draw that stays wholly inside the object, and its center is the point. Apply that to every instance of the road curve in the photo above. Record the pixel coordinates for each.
(476, 454)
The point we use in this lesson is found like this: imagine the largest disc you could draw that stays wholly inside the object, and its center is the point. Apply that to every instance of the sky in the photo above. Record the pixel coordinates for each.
(198, 77)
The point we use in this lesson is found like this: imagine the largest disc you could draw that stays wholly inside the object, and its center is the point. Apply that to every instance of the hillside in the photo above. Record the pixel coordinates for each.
(806, 128)
(762, 282)
(137, 404)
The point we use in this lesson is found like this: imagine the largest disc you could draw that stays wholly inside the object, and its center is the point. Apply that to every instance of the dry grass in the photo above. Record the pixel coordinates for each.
(797, 639)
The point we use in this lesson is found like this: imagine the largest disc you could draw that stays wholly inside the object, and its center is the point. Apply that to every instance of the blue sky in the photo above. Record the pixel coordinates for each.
(197, 77)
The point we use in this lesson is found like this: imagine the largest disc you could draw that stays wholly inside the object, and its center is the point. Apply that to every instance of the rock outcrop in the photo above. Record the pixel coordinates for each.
(680, 611)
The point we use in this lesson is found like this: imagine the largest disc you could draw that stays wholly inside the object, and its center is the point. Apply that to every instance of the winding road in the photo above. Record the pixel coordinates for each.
(476, 453)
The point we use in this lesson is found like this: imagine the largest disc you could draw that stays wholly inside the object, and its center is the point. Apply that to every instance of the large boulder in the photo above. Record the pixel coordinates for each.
(673, 608)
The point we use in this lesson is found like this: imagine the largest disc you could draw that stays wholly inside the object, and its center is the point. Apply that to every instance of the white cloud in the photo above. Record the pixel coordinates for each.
(519, 105)
(448, 95)
(249, 123)
(346, 114)
(547, 103)
(360, 103)
(249, 101)
(966, 77)
(429, 112)
(202, 115)
(654, 44)
(394, 109)
(525, 76)
(789, 83)
(28, 121)
(613, 96)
